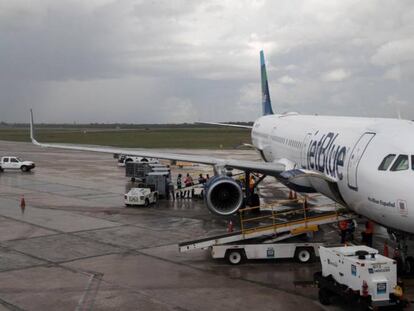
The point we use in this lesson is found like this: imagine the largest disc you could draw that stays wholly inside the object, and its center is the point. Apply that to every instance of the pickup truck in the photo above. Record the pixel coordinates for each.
(16, 164)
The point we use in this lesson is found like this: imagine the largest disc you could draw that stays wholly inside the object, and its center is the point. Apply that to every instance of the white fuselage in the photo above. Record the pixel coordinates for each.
(348, 151)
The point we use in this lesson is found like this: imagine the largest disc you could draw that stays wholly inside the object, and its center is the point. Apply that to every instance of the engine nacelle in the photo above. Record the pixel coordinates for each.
(224, 196)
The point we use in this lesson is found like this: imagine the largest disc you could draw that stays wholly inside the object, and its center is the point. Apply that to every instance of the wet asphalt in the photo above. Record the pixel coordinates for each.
(76, 247)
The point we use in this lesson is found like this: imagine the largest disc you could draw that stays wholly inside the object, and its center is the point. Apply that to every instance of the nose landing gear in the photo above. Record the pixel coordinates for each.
(405, 263)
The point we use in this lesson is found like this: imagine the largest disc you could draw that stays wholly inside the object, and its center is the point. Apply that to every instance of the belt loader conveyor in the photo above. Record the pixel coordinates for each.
(282, 227)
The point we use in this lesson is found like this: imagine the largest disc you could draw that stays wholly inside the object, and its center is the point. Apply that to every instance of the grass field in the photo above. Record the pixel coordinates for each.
(171, 137)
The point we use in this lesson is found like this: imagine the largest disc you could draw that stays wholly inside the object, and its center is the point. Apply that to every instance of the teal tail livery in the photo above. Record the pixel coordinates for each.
(266, 104)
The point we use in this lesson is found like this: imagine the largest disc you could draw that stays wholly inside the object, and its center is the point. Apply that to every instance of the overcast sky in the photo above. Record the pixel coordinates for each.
(181, 61)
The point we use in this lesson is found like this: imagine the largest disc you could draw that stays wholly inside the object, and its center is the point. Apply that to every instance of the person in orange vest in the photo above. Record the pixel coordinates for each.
(343, 227)
(368, 233)
(252, 181)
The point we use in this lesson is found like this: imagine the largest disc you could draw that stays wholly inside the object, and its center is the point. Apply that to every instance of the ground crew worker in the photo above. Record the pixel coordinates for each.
(351, 230)
(201, 179)
(171, 190)
(368, 233)
(179, 185)
(343, 227)
(188, 183)
(252, 181)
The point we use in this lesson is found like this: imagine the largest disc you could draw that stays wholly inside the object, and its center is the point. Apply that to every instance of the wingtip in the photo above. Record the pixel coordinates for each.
(32, 137)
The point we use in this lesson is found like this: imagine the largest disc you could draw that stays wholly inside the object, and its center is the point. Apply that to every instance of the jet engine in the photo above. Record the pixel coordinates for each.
(224, 196)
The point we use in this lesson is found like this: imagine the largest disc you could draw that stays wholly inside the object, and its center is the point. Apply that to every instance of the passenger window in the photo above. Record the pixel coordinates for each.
(14, 160)
(6, 160)
(401, 163)
(412, 162)
(385, 164)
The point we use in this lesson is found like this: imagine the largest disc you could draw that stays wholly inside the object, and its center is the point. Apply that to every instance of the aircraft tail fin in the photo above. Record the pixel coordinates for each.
(266, 103)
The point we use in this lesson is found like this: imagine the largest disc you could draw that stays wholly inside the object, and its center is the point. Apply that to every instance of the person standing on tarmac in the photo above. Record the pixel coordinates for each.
(201, 179)
(351, 230)
(368, 233)
(171, 192)
(179, 185)
(188, 183)
(343, 227)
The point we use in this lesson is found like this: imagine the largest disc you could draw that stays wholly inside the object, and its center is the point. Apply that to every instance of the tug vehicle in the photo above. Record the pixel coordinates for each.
(359, 274)
(141, 196)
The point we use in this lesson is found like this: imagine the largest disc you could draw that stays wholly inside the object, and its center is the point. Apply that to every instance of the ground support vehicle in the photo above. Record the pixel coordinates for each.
(264, 241)
(140, 170)
(236, 253)
(15, 163)
(141, 196)
(159, 180)
(359, 274)
(124, 159)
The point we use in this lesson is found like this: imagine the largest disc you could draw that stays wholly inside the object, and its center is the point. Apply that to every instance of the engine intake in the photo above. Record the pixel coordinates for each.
(224, 196)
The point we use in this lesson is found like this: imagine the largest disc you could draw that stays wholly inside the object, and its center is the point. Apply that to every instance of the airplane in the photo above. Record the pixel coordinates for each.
(364, 164)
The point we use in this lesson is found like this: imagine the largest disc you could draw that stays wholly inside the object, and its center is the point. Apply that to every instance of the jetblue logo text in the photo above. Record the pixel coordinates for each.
(325, 156)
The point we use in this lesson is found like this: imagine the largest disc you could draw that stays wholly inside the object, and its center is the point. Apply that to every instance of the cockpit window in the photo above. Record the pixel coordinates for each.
(385, 164)
(401, 163)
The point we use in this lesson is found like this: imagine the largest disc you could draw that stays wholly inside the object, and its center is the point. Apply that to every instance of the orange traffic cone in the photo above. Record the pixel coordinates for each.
(290, 195)
(22, 204)
(386, 251)
(230, 227)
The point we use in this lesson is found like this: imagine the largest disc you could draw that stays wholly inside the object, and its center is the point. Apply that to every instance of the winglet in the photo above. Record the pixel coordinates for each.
(266, 103)
(32, 137)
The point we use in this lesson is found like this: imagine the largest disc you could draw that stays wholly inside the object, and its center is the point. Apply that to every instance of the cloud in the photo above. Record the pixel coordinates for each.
(394, 52)
(99, 60)
(336, 75)
(179, 110)
(286, 80)
(394, 73)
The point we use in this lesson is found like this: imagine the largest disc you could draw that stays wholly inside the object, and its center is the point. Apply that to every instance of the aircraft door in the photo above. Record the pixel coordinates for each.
(304, 151)
(355, 158)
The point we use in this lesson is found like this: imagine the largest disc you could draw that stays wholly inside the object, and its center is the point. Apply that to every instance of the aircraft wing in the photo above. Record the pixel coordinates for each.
(272, 169)
(228, 125)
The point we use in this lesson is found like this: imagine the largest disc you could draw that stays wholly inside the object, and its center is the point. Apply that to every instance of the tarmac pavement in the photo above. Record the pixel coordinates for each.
(76, 247)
